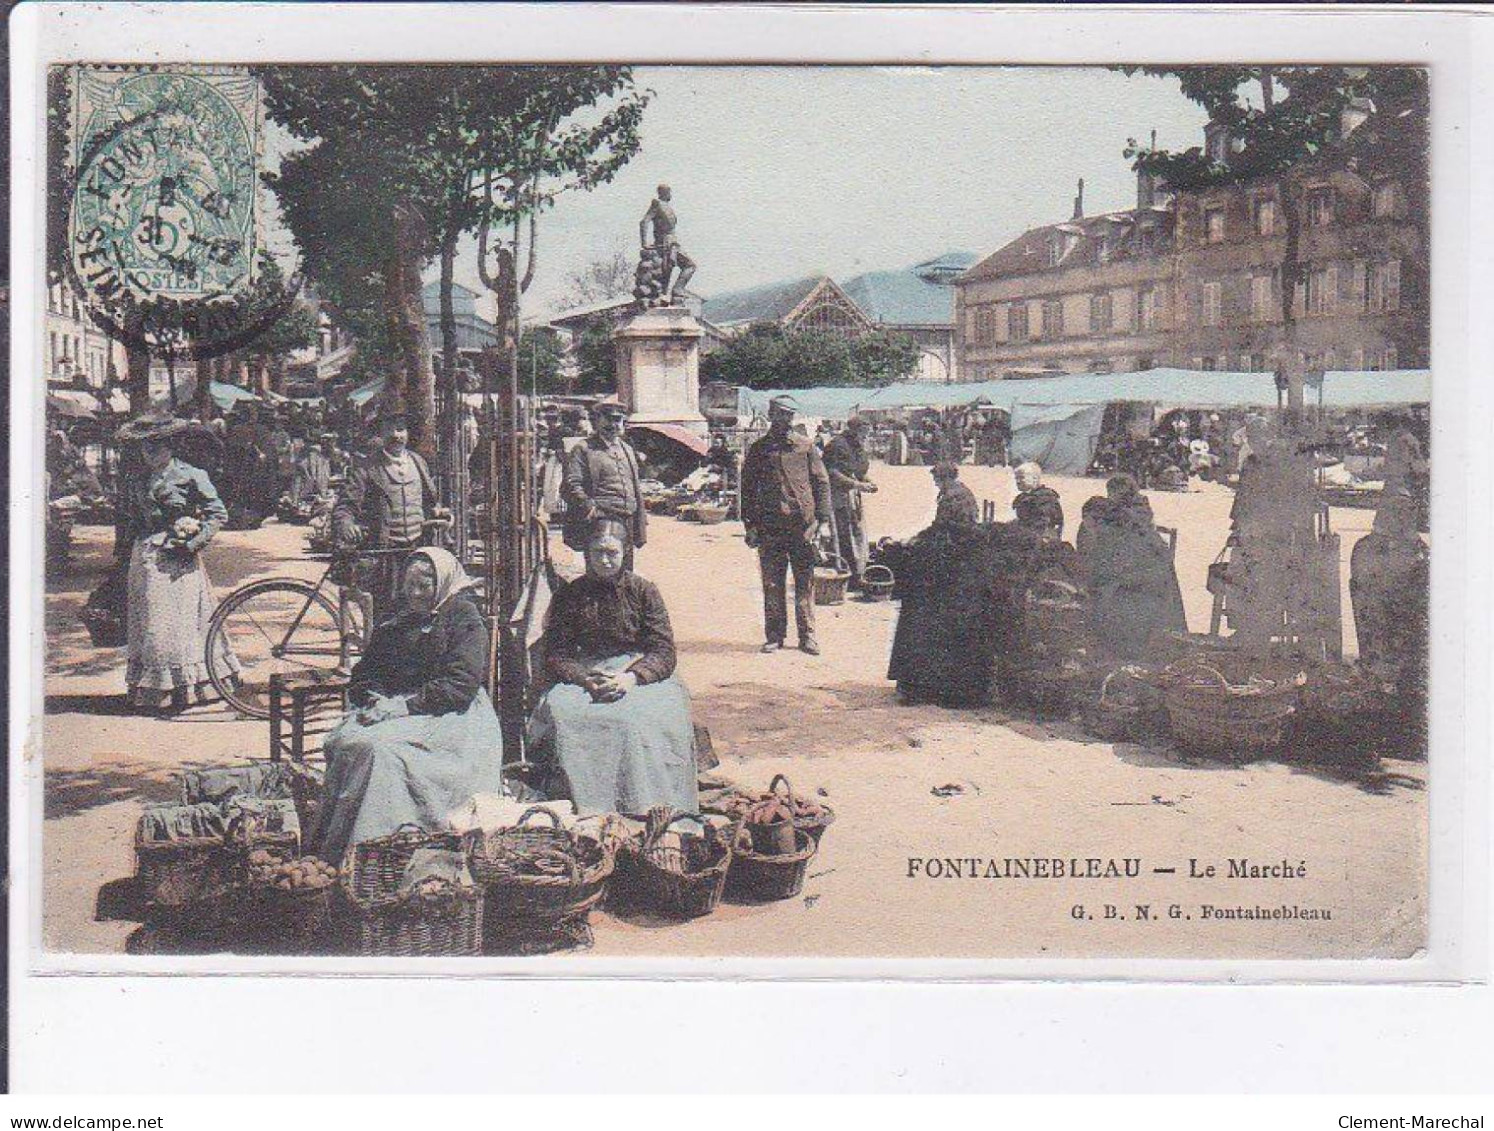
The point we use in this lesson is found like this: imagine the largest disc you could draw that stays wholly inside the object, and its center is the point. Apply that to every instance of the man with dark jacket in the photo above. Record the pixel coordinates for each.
(601, 481)
(785, 506)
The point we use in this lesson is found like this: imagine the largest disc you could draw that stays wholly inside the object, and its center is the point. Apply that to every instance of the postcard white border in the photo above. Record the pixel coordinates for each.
(1459, 802)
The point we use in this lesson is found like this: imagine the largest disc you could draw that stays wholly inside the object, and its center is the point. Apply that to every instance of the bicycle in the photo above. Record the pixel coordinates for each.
(288, 625)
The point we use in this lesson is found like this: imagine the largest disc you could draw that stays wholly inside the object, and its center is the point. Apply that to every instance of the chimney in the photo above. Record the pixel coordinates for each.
(1079, 201)
(1146, 183)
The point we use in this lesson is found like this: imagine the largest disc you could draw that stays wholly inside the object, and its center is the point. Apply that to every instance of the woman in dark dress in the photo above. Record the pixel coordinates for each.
(1390, 587)
(1128, 569)
(942, 651)
(422, 739)
(615, 726)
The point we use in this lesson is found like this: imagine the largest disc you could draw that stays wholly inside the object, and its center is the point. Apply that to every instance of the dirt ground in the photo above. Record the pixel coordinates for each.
(1355, 828)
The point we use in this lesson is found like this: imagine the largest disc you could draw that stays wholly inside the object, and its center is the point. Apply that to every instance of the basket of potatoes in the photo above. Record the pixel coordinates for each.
(293, 897)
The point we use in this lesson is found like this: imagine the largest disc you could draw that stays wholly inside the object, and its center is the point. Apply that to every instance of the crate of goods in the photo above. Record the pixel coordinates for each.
(182, 856)
(292, 900)
(406, 904)
(540, 879)
(756, 877)
(1214, 713)
(675, 873)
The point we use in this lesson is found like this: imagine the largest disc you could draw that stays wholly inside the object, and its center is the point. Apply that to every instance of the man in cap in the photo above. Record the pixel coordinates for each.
(601, 481)
(847, 463)
(785, 506)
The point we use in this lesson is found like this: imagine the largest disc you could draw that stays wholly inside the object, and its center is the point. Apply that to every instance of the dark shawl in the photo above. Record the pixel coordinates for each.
(438, 659)
(591, 619)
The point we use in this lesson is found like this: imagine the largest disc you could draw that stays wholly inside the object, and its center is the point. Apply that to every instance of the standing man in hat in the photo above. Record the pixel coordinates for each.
(847, 463)
(601, 481)
(388, 497)
(785, 506)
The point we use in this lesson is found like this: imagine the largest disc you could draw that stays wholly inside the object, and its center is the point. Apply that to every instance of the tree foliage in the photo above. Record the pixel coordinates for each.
(609, 277)
(770, 356)
(541, 359)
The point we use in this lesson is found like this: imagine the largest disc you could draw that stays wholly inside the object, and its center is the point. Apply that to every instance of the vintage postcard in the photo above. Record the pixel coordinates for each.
(570, 514)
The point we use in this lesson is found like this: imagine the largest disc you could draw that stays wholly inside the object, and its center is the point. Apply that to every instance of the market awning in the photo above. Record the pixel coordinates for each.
(678, 433)
(226, 396)
(367, 392)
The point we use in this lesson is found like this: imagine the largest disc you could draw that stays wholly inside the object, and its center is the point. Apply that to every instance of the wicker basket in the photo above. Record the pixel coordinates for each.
(677, 881)
(391, 925)
(754, 878)
(816, 824)
(711, 515)
(1113, 717)
(830, 583)
(186, 872)
(299, 921)
(877, 582)
(106, 627)
(1342, 701)
(1208, 713)
(537, 877)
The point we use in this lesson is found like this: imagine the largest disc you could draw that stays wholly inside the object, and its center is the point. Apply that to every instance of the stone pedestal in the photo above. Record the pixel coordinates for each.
(658, 367)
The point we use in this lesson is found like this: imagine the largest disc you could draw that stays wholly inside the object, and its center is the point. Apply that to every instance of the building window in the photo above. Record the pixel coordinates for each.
(1213, 304)
(1206, 364)
(1016, 322)
(1384, 292)
(1100, 365)
(1265, 216)
(1214, 225)
(1320, 207)
(1385, 200)
(1257, 363)
(1053, 318)
(1322, 290)
(1055, 252)
(1358, 358)
(1101, 312)
(1148, 306)
(1263, 297)
(1145, 363)
(1390, 359)
(1146, 240)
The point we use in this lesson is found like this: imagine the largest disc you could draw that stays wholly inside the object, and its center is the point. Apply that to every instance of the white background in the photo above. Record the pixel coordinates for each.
(169, 1033)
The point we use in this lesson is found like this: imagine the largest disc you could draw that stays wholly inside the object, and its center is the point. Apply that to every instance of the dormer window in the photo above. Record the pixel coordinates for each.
(1214, 225)
(1386, 200)
(1055, 251)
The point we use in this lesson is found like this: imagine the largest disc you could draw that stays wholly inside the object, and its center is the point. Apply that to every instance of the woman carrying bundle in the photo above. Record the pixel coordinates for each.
(615, 726)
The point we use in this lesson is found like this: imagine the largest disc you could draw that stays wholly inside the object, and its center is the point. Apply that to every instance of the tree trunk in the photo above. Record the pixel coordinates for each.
(1291, 273)
(137, 367)
(414, 388)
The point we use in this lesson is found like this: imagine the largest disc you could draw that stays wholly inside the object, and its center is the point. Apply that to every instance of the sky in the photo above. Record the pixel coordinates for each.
(783, 172)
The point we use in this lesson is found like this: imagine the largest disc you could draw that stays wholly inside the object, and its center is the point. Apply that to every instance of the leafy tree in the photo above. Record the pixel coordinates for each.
(596, 359)
(541, 357)
(770, 356)
(610, 277)
(1299, 117)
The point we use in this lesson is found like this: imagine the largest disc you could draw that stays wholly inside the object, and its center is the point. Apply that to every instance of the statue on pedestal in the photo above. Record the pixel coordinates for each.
(660, 255)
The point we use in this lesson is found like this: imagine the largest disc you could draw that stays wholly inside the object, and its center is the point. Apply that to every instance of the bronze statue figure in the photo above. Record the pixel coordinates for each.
(660, 254)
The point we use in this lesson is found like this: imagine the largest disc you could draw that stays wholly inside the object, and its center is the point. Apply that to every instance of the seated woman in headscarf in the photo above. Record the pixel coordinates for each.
(615, 726)
(1128, 569)
(1390, 587)
(1037, 507)
(943, 650)
(422, 738)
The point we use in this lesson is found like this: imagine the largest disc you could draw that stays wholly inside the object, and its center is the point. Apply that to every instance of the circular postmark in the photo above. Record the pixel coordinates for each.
(161, 214)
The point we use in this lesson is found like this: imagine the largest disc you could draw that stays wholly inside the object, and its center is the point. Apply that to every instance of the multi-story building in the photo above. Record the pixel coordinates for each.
(74, 350)
(1194, 279)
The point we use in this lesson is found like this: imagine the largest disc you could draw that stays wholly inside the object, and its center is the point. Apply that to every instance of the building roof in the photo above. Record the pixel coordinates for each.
(903, 298)
(770, 303)
(1080, 243)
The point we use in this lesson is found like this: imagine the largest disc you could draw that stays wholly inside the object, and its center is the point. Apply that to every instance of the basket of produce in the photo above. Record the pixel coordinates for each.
(1126, 708)
(807, 814)
(538, 875)
(711, 514)
(1049, 684)
(292, 899)
(183, 857)
(1342, 699)
(757, 877)
(830, 580)
(676, 874)
(414, 896)
(769, 825)
(877, 582)
(1209, 712)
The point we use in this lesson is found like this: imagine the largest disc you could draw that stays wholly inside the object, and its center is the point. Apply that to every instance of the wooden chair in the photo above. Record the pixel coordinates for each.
(304, 707)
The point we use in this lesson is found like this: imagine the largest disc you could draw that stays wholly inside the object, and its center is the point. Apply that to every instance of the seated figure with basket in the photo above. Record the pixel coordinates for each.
(422, 738)
(614, 729)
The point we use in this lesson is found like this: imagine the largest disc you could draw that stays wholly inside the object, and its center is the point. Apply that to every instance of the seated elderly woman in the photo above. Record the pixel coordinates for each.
(1126, 564)
(615, 726)
(422, 738)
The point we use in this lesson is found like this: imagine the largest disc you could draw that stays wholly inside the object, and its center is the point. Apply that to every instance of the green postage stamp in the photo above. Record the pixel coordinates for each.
(165, 162)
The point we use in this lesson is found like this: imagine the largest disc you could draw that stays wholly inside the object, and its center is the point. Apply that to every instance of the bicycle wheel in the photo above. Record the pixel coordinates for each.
(281, 626)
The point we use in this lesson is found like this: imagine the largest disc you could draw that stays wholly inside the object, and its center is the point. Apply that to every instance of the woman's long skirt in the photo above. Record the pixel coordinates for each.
(417, 770)
(169, 607)
(622, 757)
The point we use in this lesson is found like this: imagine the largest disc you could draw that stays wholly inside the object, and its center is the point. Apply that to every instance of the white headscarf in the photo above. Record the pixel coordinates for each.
(451, 578)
